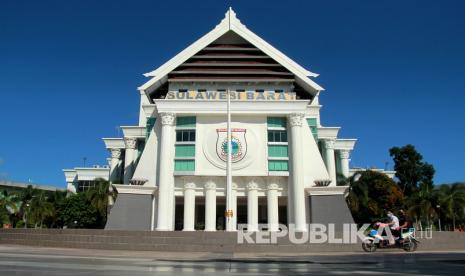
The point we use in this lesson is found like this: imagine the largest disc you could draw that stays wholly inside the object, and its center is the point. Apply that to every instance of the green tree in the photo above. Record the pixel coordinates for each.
(100, 197)
(40, 209)
(422, 203)
(372, 193)
(451, 199)
(58, 199)
(410, 168)
(77, 212)
(25, 198)
(9, 206)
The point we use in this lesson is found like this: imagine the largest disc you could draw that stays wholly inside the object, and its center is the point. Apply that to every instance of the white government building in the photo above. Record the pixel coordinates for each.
(169, 169)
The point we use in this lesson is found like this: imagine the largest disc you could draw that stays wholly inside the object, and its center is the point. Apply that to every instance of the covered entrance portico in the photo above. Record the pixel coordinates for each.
(254, 202)
(242, 214)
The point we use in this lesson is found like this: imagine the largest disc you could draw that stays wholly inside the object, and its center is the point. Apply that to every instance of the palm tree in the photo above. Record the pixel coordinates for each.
(41, 209)
(452, 200)
(9, 204)
(25, 197)
(101, 196)
(57, 199)
(422, 203)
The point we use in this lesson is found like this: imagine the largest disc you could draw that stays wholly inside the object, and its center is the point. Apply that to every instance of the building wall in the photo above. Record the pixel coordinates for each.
(254, 162)
(147, 167)
(131, 212)
(326, 209)
(207, 161)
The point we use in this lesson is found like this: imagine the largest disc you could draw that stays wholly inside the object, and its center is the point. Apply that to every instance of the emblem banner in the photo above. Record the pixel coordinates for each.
(238, 144)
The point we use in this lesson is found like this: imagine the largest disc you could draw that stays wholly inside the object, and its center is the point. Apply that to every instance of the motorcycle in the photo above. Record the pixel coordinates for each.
(374, 240)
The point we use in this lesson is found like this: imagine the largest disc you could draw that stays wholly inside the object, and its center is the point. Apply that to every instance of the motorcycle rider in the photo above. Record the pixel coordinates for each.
(393, 224)
(405, 221)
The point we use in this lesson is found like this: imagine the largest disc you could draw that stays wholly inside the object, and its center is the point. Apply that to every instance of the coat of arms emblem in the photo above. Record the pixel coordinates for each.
(238, 144)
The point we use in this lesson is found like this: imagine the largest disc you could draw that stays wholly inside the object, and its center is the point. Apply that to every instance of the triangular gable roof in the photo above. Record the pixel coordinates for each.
(231, 23)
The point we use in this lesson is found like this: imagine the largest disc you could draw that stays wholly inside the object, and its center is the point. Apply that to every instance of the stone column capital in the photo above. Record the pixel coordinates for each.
(115, 153)
(189, 186)
(252, 186)
(130, 142)
(272, 186)
(167, 118)
(210, 185)
(295, 119)
(344, 154)
(329, 143)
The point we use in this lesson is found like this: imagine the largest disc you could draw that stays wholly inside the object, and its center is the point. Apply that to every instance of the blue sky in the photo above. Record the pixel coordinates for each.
(394, 73)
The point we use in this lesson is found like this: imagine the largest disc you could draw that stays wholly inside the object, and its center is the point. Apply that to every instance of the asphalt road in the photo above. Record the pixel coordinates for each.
(17, 260)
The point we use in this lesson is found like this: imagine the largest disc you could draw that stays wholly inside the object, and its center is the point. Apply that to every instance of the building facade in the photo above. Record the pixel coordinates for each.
(169, 169)
(80, 179)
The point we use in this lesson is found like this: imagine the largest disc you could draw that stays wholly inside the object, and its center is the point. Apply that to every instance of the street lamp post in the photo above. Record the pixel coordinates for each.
(439, 216)
(25, 215)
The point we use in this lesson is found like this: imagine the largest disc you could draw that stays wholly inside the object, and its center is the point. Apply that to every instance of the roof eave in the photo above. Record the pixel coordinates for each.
(230, 22)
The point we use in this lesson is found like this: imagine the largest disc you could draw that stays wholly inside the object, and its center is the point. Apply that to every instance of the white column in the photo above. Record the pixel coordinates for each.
(189, 207)
(143, 101)
(130, 156)
(71, 187)
(290, 201)
(115, 158)
(272, 204)
(210, 206)
(165, 181)
(344, 158)
(154, 213)
(71, 181)
(330, 162)
(295, 122)
(252, 206)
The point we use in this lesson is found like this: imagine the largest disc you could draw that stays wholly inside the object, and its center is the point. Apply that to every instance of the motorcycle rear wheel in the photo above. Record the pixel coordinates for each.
(369, 246)
(410, 245)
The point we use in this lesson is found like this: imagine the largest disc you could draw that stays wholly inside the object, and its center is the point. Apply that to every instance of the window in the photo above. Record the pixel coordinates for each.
(276, 122)
(184, 156)
(185, 135)
(184, 165)
(84, 185)
(277, 136)
(140, 149)
(185, 151)
(149, 126)
(313, 127)
(278, 151)
(185, 122)
(278, 165)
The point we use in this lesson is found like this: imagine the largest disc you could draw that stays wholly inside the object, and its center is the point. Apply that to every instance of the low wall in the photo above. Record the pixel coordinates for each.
(441, 241)
(224, 242)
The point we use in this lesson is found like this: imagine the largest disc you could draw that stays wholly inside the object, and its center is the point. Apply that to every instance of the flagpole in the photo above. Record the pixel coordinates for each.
(229, 213)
